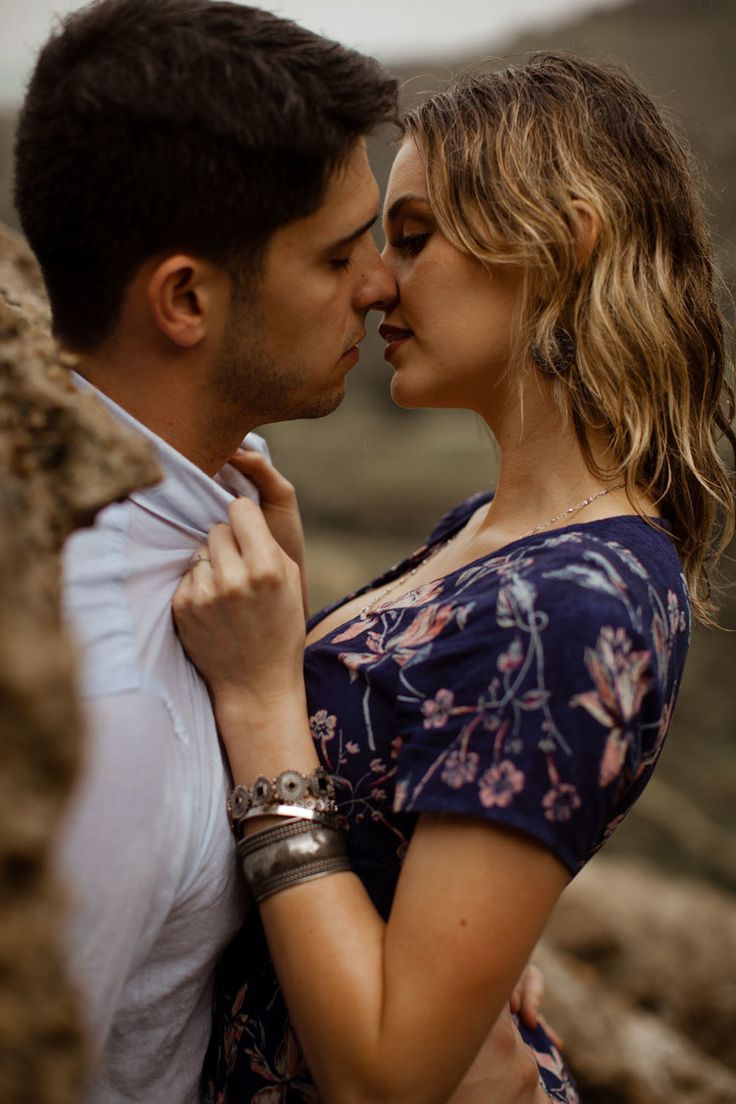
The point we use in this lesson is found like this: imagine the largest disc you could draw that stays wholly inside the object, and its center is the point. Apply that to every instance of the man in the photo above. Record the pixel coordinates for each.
(193, 179)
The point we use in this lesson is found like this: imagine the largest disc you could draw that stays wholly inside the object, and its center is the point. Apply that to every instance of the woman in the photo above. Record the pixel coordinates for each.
(491, 707)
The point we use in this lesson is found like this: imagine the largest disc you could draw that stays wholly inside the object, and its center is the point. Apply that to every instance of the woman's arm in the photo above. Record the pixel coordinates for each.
(385, 1012)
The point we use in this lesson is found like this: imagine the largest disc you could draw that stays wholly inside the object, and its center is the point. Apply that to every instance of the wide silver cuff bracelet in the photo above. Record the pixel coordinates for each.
(289, 854)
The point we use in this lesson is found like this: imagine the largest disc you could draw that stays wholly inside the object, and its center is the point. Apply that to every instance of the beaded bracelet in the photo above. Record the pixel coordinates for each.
(290, 794)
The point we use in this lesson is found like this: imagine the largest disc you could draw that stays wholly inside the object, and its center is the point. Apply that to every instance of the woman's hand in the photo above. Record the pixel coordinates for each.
(239, 612)
(279, 505)
(526, 1000)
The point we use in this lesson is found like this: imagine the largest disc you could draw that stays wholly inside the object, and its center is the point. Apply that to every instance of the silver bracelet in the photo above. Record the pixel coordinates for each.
(303, 812)
(289, 791)
(296, 826)
(306, 873)
(290, 854)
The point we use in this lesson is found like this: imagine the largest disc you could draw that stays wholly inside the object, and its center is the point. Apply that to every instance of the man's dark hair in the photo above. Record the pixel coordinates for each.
(178, 125)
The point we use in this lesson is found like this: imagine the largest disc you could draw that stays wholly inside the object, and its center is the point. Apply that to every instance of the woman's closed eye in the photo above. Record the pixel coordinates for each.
(411, 243)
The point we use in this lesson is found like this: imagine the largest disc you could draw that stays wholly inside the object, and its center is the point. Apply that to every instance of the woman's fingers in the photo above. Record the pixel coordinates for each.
(526, 999)
(226, 558)
(532, 994)
(558, 1041)
(264, 559)
(271, 484)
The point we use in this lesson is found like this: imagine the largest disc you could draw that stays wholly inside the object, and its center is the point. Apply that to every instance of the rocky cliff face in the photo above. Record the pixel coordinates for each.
(62, 458)
(641, 976)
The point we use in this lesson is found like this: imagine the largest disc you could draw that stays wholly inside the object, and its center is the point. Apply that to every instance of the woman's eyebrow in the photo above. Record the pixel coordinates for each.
(409, 197)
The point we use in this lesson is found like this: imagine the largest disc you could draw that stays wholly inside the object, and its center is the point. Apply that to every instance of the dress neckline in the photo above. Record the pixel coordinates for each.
(443, 533)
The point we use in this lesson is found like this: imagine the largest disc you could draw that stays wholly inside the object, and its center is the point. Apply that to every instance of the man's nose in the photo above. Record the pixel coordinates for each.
(378, 288)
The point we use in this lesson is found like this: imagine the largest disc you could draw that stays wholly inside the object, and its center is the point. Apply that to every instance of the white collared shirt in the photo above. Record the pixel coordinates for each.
(146, 849)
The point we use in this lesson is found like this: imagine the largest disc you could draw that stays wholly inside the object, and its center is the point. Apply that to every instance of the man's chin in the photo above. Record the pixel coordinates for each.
(319, 406)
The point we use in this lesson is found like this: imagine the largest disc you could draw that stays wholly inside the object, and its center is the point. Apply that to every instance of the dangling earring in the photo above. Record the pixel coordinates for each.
(562, 358)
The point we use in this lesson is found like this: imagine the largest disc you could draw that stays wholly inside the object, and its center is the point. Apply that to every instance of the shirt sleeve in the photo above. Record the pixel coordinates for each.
(120, 849)
(537, 712)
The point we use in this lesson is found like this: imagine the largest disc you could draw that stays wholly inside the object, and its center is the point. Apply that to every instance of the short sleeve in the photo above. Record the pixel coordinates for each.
(540, 711)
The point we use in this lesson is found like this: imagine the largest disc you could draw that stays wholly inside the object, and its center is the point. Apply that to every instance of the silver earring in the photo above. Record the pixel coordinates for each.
(562, 358)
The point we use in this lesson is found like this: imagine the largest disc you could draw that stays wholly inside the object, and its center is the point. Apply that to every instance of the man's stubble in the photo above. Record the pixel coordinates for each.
(248, 378)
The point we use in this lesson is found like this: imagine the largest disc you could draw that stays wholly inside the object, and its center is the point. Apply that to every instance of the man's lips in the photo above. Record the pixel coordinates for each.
(394, 336)
(352, 351)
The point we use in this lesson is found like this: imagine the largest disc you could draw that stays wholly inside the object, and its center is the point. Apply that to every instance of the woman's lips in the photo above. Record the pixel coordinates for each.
(395, 336)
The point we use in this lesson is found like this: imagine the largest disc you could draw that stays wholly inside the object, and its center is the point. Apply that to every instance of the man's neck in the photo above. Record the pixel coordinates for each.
(171, 407)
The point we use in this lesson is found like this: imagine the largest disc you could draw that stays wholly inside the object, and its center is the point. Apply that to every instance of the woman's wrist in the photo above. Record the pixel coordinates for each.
(265, 734)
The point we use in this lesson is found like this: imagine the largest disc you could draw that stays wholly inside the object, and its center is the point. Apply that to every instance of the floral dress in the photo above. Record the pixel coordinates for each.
(532, 688)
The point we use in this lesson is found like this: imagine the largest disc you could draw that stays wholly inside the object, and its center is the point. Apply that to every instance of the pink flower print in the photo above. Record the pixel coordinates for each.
(355, 660)
(619, 676)
(614, 754)
(460, 769)
(416, 597)
(355, 628)
(234, 1031)
(272, 1094)
(322, 725)
(289, 1072)
(352, 748)
(560, 802)
(660, 642)
(673, 612)
(437, 710)
(500, 784)
(512, 658)
(378, 766)
(396, 745)
(425, 627)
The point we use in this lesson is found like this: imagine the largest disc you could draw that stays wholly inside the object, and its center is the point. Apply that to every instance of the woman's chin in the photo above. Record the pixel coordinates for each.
(411, 395)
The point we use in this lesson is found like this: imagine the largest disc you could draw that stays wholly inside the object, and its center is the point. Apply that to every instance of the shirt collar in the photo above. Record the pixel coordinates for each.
(186, 497)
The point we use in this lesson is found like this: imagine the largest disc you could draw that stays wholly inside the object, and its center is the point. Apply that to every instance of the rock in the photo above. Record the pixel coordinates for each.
(641, 976)
(62, 458)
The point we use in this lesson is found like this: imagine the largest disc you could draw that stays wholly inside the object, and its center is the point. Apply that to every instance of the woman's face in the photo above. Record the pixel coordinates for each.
(449, 331)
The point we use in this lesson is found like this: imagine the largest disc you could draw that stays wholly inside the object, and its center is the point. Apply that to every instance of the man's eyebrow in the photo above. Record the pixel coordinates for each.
(398, 204)
(355, 234)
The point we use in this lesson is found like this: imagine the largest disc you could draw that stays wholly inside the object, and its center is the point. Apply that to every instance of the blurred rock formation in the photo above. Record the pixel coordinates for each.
(641, 983)
(62, 458)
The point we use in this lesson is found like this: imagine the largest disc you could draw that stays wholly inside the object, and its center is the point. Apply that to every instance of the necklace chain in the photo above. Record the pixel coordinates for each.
(383, 594)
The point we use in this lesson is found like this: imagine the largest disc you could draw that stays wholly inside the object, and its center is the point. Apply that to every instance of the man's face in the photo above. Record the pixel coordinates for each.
(291, 342)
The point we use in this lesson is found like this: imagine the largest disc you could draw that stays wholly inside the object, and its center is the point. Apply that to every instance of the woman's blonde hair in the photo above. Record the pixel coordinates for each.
(508, 157)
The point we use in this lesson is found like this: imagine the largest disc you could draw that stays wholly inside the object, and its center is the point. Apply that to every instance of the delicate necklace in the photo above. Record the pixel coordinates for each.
(404, 579)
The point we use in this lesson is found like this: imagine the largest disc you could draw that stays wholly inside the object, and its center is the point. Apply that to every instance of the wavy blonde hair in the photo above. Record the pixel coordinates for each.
(508, 155)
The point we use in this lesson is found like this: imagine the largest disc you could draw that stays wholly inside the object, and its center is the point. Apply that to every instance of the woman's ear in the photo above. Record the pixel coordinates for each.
(181, 296)
(586, 228)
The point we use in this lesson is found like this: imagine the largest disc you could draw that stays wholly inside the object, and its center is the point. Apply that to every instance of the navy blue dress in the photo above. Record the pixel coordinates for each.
(532, 688)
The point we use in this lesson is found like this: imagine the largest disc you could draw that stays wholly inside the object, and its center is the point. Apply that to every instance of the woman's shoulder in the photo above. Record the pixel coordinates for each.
(624, 556)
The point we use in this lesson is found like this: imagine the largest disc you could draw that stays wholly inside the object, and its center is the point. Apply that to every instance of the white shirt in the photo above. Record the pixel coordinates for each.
(146, 850)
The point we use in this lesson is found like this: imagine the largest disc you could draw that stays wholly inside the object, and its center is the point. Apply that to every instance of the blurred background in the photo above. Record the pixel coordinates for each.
(373, 479)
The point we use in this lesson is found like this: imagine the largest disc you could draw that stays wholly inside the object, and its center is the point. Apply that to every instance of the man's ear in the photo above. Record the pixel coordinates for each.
(586, 228)
(181, 296)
